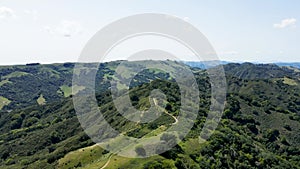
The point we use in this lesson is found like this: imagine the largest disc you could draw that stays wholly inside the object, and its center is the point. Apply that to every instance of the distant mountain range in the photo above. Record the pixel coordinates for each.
(209, 64)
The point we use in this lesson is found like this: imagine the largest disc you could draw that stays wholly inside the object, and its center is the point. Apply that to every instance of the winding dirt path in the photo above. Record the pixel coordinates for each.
(155, 102)
(108, 161)
(176, 120)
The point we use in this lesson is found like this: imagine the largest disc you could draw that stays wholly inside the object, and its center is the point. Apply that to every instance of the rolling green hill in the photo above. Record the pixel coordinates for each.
(23, 85)
(259, 71)
(260, 127)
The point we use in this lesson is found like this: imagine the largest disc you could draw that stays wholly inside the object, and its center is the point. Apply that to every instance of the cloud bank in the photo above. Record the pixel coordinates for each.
(6, 12)
(285, 23)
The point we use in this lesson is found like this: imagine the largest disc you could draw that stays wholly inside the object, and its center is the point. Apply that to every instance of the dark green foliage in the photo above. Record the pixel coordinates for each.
(41, 140)
(170, 139)
(259, 129)
(272, 135)
(140, 151)
(158, 165)
(40, 79)
(258, 71)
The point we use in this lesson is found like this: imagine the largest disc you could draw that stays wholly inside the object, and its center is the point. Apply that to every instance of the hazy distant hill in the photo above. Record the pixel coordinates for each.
(209, 64)
(205, 64)
(292, 64)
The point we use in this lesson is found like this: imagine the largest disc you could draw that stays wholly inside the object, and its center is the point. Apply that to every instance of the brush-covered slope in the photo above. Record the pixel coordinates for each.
(35, 84)
(260, 127)
(259, 71)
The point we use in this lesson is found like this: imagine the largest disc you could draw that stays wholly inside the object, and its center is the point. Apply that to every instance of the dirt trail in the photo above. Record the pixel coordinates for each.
(176, 120)
(108, 161)
(155, 102)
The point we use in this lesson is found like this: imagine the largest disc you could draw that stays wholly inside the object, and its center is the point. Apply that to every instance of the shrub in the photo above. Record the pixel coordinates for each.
(140, 151)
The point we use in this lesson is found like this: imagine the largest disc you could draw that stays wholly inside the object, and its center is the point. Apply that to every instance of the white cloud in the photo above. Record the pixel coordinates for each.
(33, 13)
(186, 19)
(66, 28)
(6, 12)
(289, 22)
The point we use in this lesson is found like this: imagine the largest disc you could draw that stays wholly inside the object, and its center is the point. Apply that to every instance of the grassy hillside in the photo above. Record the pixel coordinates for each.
(260, 127)
(23, 85)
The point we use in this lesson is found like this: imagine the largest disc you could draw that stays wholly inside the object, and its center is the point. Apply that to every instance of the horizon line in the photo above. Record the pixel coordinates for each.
(227, 61)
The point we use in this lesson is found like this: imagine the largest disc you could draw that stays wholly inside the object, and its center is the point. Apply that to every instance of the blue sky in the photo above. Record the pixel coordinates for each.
(56, 30)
